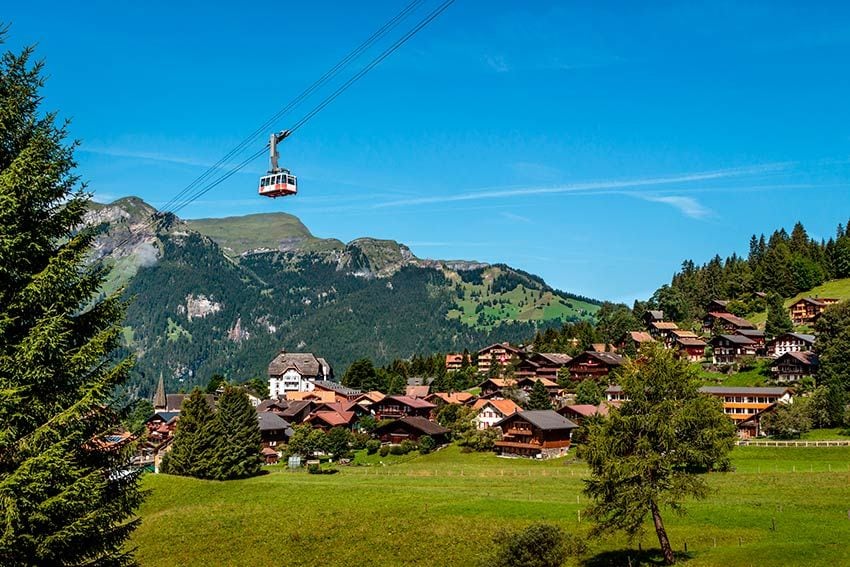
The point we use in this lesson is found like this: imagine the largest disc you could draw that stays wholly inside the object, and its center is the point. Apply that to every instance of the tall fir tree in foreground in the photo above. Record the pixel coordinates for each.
(239, 448)
(64, 498)
(647, 455)
(193, 450)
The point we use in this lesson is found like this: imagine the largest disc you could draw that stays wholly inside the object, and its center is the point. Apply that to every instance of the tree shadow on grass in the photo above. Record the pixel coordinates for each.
(631, 558)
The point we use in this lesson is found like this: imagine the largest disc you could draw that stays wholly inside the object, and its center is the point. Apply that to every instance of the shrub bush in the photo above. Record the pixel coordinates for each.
(396, 450)
(373, 446)
(407, 446)
(538, 545)
(314, 469)
(426, 444)
(385, 450)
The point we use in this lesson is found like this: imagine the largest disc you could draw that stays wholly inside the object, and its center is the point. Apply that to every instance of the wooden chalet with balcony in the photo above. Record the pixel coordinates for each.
(538, 433)
(491, 411)
(543, 365)
(792, 367)
(660, 329)
(594, 365)
(690, 348)
(790, 342)
(396, 407)
(502, 353)
(728, 349)
(412, 428)
(494, 386)
(454, 361)
(274, 430)
(805, 311)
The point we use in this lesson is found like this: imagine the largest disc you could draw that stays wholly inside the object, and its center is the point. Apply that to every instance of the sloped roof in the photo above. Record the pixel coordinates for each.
(806, 357)
(318, 395)
(373, 396)
(641, 337)
(690, 342)
(609, 358)
(270, 421)
(556, 357)
(505, 346)
(682, 333)
(587, 410)
(736, 339)
(295, 407)
(733, 319)
(452, 398)
(411, 402)
(656, 314)
(305, 363)
(751, 332)
(165, 416)
(664, 325)
(544, 419)
(332, 418)
(417, 391)
(418, 423)
(336, 387)
(505, 407)
(819, 301)
(800, 336)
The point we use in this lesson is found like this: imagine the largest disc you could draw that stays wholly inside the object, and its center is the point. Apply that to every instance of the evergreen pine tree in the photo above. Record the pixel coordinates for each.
(194, 450)
(238, 452)
(64, 499)
(539, 398)
(778, 319)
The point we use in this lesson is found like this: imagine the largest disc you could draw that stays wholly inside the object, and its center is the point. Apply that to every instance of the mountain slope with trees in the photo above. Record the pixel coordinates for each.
(225, 300)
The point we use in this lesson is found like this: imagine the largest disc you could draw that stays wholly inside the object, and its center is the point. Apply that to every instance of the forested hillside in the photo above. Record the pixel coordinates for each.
(227, 301)
(784, 264)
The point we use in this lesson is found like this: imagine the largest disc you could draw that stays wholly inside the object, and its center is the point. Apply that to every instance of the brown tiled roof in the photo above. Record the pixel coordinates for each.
(417, 391)
(664, 325)
(411, 402)
(690, 342)
(587, 410)
(609, 358)
(505, 346)
(733, 319)
(453, 398)
(806, 357)
(683, 333)
(736, 339)
(419, 423)
(332, 418)
(556, 357)
(319, 395)
(544, 419)
(641, 337)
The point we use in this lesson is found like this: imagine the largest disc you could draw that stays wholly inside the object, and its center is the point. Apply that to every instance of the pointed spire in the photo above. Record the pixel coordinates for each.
(159, 400)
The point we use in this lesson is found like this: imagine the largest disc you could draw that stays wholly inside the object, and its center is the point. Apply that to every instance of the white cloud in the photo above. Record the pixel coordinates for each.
(588, 187)
(515, 217)
(497, 63)
(686, 205)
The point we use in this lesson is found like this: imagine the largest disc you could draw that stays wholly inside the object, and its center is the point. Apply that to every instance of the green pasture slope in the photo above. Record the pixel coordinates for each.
(782, 506)
(837, 289)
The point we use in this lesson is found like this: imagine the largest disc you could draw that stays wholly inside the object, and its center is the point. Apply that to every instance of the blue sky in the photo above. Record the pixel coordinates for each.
(597, 145)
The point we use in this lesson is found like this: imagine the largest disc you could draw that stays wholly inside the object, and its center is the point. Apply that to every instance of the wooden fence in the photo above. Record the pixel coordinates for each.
(765, 443)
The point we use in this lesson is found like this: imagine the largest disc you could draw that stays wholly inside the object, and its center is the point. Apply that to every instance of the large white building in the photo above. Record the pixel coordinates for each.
(296, 372)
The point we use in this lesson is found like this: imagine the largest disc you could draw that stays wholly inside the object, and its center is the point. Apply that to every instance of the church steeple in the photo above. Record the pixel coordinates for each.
(160, 402)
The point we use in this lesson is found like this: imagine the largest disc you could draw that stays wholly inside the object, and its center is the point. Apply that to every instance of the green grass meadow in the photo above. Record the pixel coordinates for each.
(781, 506)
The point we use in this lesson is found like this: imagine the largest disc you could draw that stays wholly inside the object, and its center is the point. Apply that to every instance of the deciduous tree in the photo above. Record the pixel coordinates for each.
(648, 454)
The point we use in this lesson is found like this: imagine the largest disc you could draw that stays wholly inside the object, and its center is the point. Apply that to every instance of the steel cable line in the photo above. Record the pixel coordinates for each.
(298, 124)
(327, 76)
(330, 98)
(321, 81)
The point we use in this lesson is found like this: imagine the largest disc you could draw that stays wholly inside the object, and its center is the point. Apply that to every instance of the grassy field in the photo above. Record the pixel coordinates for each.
(755, 376)
(838, 289)
(781, 506)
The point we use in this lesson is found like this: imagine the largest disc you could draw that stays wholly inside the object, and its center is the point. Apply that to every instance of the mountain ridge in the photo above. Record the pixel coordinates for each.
(211, 295)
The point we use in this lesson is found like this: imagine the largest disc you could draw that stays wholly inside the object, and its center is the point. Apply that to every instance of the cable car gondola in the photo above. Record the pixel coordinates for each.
(278, 182)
